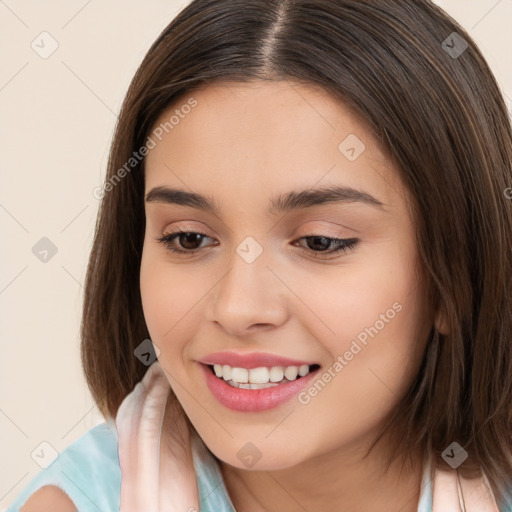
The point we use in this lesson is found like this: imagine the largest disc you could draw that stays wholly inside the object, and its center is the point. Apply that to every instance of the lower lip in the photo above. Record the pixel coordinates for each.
(253, 400)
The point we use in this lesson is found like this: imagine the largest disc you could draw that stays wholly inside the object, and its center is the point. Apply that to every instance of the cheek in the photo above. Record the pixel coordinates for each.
(383, 294)
(379, 324)
(167, 299)
(375, 353)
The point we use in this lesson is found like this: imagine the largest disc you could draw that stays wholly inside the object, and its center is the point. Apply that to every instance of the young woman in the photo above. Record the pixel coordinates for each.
(307, 218)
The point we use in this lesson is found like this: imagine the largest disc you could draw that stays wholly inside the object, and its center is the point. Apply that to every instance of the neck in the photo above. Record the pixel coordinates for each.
(335, 482)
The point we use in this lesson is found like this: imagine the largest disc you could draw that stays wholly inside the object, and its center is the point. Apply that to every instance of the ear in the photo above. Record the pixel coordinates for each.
(441, 322)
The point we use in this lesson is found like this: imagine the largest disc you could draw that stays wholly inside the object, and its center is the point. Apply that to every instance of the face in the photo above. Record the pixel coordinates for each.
(305, 258)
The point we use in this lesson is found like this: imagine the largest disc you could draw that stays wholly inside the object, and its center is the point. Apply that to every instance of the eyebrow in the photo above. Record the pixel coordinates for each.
(289, 201)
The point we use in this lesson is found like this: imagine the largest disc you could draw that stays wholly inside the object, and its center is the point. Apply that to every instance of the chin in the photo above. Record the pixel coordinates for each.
(257, 457)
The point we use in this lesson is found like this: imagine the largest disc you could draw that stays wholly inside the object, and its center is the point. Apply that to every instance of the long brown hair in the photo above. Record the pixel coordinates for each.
(440, 116)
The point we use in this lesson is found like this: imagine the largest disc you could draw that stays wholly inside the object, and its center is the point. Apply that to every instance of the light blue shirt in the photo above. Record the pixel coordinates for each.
(88, 472)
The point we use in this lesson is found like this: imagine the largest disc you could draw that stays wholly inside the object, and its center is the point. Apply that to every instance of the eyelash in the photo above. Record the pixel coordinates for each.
(343, 244)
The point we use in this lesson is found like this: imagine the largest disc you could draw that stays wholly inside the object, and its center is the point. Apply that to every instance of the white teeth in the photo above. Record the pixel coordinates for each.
(291, 372)
(276, 374)
(304, 370)
(259, 377)
(255, 386)
(226, 372)
(239, 375)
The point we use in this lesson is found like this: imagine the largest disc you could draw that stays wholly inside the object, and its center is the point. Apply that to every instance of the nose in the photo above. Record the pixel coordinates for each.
(248, 297)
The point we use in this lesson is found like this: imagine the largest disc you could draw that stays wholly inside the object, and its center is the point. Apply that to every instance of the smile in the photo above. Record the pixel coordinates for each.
(260, 378)
(256, 389)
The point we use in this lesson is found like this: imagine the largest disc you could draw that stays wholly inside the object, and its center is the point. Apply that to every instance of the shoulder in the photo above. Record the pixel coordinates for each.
(87, 471)
(49, 498)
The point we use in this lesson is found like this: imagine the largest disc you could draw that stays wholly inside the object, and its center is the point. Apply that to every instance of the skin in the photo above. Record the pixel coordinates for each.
(243, 144)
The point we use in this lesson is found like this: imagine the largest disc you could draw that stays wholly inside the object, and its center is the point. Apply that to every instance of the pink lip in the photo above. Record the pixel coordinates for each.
(254, 400)
(252, 360)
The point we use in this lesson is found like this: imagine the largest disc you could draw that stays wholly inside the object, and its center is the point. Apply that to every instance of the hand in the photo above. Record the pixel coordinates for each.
(157, 472)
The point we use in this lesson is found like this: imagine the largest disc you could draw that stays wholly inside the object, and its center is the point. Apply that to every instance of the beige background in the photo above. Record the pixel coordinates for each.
(57, 119)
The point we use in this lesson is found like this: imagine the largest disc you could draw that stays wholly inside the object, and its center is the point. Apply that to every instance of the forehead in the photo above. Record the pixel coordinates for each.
(263, 136)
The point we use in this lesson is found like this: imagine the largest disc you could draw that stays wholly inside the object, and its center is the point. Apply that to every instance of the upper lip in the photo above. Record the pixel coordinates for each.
(250, 360)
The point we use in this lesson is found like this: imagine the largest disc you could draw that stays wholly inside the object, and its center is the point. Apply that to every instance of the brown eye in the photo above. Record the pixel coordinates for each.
(189, 241)
(320, 244)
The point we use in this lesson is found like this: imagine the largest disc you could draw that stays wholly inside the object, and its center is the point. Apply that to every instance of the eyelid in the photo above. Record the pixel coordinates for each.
(325, 229)
(320, 228)
(342, 245)
(176, 227)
